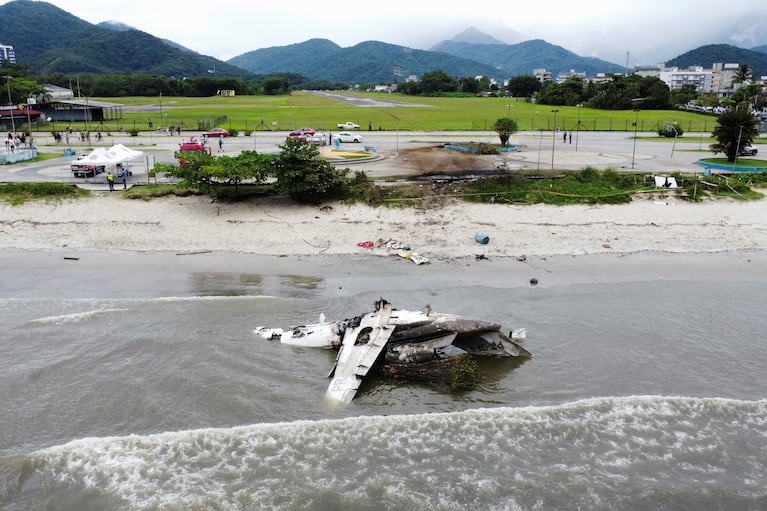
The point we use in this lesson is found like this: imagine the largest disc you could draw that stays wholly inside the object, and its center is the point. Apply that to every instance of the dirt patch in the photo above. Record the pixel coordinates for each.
(428, 161)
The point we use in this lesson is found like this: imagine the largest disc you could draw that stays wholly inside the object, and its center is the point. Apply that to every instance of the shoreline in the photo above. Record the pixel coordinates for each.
(278, 227)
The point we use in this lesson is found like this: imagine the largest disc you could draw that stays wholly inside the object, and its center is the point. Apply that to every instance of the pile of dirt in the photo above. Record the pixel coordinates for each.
(428, 161)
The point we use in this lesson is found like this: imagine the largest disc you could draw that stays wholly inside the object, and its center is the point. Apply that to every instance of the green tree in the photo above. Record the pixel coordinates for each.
(505, 127)
(469, 84)
(736, 128)
(203, 170)
(523, 86)
(276, 86)
(435, 82)
(302, 176)
(569, 92)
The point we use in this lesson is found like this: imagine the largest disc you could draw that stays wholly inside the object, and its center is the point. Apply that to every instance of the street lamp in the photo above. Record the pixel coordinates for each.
(540, 143)
(635, 102)
(634, 152)
(553, 137)
(578, 126)
(10, 103)
(508, 111)
(737, 144)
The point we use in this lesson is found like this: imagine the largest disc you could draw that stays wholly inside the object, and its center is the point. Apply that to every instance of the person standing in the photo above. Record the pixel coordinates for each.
(111, 181)
(220, 144)
(124, 176)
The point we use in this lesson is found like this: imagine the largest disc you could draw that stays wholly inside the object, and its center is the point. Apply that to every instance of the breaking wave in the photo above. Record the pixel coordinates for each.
(593, 453)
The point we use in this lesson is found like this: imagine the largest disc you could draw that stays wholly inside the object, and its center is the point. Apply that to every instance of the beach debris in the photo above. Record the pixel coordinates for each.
(366, 244)
(665, 181)
(533, 281)
(403, 250)
(481, 238)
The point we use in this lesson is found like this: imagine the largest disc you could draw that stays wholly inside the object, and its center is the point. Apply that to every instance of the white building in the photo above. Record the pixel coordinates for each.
(7, 53)
(677, 78)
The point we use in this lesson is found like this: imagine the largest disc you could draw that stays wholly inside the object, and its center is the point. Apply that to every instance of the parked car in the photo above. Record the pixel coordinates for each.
(748, 151)
(316, 139)
(308, 131)
(297, 135)
(216, 133)
(348, 126)
(345, 136)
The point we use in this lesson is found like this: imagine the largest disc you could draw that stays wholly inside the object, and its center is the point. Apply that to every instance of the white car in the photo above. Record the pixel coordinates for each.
(348, 126)
(345, 136)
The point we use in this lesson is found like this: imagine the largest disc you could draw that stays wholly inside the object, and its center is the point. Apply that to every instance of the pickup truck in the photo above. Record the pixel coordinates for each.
(348, 126)
(748, 151)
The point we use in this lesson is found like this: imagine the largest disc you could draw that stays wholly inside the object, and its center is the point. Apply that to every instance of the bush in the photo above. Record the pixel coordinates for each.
(133, 132)
(671, 130)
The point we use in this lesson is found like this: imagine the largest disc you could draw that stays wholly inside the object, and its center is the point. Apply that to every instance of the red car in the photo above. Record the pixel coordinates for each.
(297, 135)
(216, 133)
(301, 134)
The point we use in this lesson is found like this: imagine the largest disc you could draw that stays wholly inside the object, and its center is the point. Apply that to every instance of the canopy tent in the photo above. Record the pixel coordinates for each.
(119, 153)
(98, 156)
(116, 154)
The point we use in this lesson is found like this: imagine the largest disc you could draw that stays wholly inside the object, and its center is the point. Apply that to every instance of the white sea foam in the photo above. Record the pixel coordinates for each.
(469, 457)
(76, 317)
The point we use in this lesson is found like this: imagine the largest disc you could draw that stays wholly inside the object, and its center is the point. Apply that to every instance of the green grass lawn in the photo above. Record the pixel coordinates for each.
(417, 113)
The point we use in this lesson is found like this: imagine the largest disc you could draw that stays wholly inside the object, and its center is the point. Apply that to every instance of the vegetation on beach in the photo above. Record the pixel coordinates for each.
(19, 193)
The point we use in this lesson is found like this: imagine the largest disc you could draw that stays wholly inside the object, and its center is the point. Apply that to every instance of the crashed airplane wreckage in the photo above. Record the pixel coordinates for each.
(396, 338)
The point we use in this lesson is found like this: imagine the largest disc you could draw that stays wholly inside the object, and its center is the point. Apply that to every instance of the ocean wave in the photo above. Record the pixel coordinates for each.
(588, 452)
(76, 317)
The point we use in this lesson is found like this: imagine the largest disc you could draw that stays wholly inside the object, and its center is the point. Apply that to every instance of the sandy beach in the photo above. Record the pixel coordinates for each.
(277, 227)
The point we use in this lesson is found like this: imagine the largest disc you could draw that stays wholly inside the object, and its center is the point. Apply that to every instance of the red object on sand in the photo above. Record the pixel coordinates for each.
(365, 244)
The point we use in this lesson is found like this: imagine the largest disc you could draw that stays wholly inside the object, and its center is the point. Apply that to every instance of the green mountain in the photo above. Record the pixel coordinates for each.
(522, 58)
(50, 40)
(707, 55)
(760, 49)
(366, 62)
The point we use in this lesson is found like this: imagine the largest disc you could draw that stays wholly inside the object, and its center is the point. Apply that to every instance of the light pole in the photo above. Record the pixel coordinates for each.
(737, 145)
(10, 103)
(540, 143)
(578, 126)
(553, 137)
(508, 111)
(634, 152)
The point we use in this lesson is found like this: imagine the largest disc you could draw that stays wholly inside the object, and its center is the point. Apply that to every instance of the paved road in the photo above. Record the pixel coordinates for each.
(600, 150)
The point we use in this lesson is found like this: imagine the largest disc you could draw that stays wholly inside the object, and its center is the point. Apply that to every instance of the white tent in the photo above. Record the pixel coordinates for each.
(119, 153)
(98, 156)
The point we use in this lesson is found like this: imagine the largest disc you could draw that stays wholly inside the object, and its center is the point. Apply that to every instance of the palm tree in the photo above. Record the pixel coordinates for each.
(736, 128)
(743, 74)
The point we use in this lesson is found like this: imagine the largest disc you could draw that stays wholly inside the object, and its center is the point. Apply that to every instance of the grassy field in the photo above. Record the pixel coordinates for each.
(411, 113)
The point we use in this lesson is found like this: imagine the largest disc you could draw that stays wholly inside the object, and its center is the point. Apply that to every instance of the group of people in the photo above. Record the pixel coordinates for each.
(82, 136)
(15, 141)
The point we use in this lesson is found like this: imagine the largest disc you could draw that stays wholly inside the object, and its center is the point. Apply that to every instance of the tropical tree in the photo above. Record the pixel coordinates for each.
(302, 175)
(736, 128)
(743, 74)
(505, 127)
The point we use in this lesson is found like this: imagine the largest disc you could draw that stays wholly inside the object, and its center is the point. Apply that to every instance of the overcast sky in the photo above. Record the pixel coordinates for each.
(637, 32)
